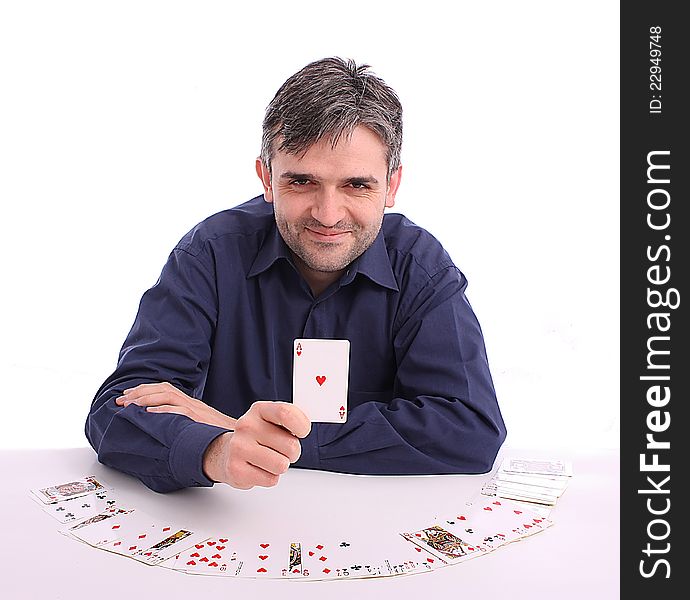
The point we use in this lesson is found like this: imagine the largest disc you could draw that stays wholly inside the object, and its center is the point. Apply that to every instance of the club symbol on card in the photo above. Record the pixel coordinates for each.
(320, 379)
(344, 544)
(299, 349)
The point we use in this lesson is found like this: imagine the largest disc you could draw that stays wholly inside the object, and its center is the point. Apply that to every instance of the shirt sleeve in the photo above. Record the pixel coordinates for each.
(444, 416)
(169, 341)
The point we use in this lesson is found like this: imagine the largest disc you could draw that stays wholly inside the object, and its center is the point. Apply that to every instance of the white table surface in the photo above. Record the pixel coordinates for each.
(576, 558)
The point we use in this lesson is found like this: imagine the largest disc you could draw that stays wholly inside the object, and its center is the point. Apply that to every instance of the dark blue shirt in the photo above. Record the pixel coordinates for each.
(219, 324)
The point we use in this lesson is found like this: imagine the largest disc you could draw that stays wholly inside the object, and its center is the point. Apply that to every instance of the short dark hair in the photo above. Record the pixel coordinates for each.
(329, 98)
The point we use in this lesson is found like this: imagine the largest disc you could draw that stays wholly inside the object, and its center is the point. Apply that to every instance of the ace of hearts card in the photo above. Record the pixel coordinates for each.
(320, 379)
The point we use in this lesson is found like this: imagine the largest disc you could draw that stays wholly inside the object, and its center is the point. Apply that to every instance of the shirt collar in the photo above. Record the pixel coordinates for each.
(273, 248)
(374, 263)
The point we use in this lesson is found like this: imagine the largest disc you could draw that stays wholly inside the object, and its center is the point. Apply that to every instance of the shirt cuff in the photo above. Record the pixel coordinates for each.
(187, 454)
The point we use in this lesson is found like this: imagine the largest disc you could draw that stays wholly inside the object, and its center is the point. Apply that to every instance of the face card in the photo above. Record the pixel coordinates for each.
(68, 490)
(320, 379)
(100, 528)
(442, 543)
(115, 531)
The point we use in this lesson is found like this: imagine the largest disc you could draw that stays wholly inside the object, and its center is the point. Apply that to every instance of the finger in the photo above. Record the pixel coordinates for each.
(252, 476)
(281, 441)
(169, 408)
(268, 460)
(155, 399)
(145, 389)
(286, 415)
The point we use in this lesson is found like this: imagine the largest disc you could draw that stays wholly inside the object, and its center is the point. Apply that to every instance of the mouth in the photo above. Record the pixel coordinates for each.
(326, 235)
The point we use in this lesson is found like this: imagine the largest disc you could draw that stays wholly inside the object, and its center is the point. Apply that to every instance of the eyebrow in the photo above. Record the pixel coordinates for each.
(295, 175)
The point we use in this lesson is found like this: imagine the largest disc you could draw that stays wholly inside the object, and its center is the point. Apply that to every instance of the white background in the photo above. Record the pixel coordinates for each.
(123, 124)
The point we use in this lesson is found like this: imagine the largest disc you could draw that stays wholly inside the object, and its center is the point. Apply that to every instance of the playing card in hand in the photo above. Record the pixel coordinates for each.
(320, 379)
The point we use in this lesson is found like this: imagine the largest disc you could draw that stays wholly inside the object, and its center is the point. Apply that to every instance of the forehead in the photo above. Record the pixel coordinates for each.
(361, 150)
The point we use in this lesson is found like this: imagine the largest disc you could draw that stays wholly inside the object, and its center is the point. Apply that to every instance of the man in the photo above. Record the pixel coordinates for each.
(202, 389)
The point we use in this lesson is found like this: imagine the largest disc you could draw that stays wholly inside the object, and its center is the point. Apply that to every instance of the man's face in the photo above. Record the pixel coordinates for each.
(329, 202)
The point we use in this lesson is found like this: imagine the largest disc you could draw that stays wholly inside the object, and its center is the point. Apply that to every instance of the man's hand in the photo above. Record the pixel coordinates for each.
(261, 448)
(166, 398)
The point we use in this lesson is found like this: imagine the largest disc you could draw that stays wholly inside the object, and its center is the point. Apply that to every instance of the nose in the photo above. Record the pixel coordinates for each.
(328, 208)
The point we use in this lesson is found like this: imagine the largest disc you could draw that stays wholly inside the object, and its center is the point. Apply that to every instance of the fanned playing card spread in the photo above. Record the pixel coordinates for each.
(98, 519)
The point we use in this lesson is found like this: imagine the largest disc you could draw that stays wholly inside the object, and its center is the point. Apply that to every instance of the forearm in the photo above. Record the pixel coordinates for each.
(428, 436)
(164, 451)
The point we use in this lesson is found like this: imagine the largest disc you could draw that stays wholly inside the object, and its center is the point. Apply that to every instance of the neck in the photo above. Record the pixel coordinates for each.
(318, 281)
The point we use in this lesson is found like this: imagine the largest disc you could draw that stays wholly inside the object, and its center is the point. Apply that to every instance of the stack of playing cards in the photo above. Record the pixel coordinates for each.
(88, 512)
(537, 482)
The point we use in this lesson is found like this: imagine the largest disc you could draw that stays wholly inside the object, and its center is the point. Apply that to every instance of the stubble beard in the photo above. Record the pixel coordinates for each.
(325, 257)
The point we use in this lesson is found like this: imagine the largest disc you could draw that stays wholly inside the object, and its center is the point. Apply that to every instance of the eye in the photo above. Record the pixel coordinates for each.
(359, 185)
(299, 182)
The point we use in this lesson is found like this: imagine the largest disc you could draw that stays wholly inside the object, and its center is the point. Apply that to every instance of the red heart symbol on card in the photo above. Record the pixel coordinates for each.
(537, 520)
(263, 556)
(213, 564)
(198, 546)
(517, 512)
(195, 555)
(311, 553)
(115, 527)
(148, 553)
(220, 547)
(295, 570)
(418, 549)
(320, 379)
(142, 536)
(526, 526)
(264, 545)
(117, 543)
(497, 502)
(487, 508)
(418, 534)
(430, 560)
(210, 543)
(166, 528)
(462, 518)
(223, 540)
(261, 570)
(204, 559)
(132, 548)
(191, 562)
(217, 556)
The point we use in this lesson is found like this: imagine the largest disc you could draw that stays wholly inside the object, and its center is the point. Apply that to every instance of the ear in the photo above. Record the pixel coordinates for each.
(265, 176)
(393, 186)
